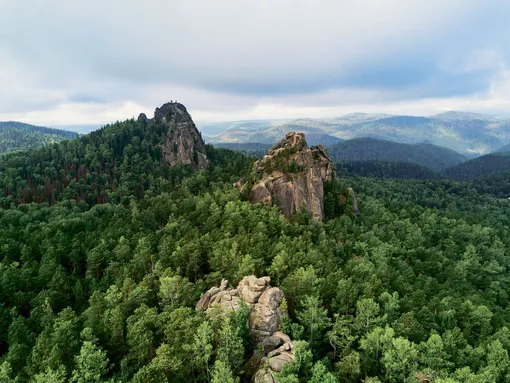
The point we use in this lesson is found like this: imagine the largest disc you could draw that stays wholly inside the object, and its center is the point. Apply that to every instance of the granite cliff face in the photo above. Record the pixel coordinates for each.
(183, 144)
(292, 175)
(272, 347)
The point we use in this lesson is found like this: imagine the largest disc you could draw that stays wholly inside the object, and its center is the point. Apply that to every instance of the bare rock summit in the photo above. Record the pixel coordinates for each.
(183, 144)
(292, 175)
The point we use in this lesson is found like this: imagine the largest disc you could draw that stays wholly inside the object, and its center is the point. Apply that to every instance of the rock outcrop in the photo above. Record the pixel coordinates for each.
(272, 347)
(183, 143)
(355, 205)
(292, 175)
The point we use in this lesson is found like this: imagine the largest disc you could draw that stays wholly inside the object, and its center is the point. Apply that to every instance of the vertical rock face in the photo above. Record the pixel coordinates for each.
(183, 143)
(264, 322)
(292, 174)
(355, 205)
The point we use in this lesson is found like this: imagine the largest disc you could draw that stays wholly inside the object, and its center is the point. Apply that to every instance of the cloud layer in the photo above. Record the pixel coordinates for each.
(93, 62)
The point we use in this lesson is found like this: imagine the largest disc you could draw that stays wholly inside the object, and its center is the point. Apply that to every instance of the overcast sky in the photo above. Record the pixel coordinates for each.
(93, 62)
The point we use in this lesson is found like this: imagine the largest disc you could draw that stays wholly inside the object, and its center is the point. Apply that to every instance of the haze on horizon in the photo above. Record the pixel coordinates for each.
(94, 62)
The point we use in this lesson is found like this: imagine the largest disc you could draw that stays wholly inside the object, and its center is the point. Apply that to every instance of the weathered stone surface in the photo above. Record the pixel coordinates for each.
(222, 296)
(272, 298)
(284, 337)
(253, 363)
(283, 349)
(291, 174)
(276, 362)
(264, 375)
(264, 322)
(270, 343)
(183, 143)
(352, 193)
(262, 318)
(251, 288)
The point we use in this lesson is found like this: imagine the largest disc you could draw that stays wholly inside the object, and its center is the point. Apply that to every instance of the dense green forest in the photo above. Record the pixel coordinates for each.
(369, 149)
(105, 251)
(480, 167)
(16, 136)
(249, 149)
(386, 169)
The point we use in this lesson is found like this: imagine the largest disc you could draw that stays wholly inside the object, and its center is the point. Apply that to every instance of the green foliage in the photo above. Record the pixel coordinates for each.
(386, 169)
(221, 373)
(92, 362)
(481, 166)
(314, 318)
(100, 282)
(400, 360)
(16, 136)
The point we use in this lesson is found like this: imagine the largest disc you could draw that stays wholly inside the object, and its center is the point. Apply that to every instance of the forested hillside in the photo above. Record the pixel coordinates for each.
(385, 169)
(369, 149)
(467, 133)
(105, 251)
(251, 149)
(16, 136)
(480, 167)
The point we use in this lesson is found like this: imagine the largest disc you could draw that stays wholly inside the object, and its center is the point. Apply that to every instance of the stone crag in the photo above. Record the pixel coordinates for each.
(292, 175)
(272, 347)
(183, 144)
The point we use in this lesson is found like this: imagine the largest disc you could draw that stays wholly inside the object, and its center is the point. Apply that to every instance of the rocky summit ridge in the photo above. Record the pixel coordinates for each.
(292, 175)
(183, 143)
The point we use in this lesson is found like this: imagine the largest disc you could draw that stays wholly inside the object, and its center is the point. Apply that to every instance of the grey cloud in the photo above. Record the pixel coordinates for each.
(101, 52)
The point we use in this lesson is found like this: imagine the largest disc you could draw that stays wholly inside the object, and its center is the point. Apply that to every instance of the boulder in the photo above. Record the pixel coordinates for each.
(276, 362)
(224, 297)
(251, 288)
(270, 343)
(284, 337)
(271, 298)
(263, 319)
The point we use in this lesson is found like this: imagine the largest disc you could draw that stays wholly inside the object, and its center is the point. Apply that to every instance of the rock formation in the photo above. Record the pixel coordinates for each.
(273, 348)
(355, 205)
(183, 143)
(291, 174)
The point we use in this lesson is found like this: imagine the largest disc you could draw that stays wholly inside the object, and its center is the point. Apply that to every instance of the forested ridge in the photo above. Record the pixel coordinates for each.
(105, 251)
(480, 167)
(369, 149)
(15, 136)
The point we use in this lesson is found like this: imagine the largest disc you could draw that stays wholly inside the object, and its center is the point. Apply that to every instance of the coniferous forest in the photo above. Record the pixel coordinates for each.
(15, 136)
(105, 250)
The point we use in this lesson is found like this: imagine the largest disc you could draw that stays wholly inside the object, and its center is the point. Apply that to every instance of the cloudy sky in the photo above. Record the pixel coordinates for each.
(92, 62)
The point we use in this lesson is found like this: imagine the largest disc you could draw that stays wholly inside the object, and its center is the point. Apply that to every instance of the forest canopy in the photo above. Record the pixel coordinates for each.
(105, 251)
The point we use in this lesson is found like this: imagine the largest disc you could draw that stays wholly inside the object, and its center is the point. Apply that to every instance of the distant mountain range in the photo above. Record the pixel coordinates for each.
(387, 159)
(467, 133)
(15, 136)
(504, 149)
(430, 156)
